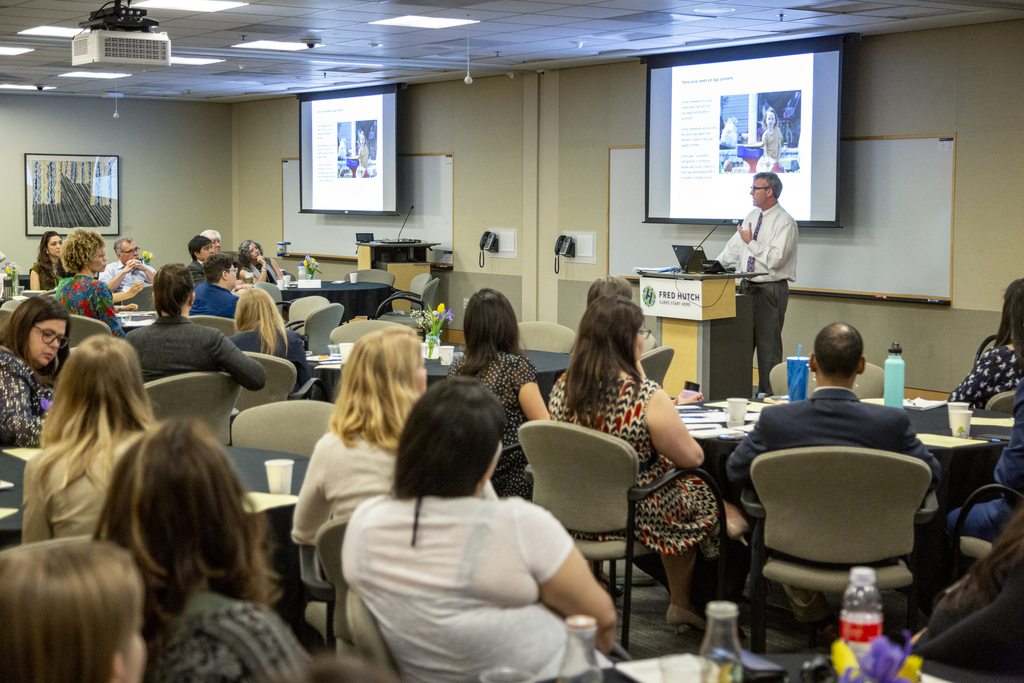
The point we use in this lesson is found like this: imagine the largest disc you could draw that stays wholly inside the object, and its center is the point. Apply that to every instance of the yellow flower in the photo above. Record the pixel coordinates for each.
(440, 308)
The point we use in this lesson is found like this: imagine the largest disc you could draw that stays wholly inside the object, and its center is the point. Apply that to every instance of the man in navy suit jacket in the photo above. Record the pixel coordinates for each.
(831, 416)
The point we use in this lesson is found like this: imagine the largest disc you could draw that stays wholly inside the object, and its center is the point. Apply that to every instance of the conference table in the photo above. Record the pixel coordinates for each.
(360, 299)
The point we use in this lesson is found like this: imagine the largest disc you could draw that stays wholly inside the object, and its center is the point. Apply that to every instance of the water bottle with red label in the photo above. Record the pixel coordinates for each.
(861, 617)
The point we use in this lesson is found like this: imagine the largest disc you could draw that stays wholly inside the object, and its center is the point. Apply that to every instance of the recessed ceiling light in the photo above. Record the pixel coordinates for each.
(274, 45)
(11, 51)
(713, 10)
(53, 31)
(8, 86)
(190, 5)
(193, 61)
(414, 21)
(374, 44)
(93, 74)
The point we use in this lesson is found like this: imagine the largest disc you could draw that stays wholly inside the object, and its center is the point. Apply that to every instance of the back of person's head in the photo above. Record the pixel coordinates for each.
(606, 343)
(378, 388)
(343, 669)
(609, 285)
(196, 244)
(177, 505)
(68, 610)
(838, 349)
(215, 267)
(79, 248)
(244, 258)
(257, 311)
(172, 286)
(16, 331)
(987, 576)
(491, 328)
(1011, 324)
(210, 235)
(452, 436)
(99, 399)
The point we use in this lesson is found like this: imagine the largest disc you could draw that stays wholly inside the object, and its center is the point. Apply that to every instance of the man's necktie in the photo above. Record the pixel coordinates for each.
(757, 229)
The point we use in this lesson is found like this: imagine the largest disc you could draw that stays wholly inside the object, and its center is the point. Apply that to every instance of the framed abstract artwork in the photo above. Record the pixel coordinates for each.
(68, 191)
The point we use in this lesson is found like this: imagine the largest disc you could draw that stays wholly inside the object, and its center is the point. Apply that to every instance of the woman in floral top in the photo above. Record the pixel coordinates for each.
(81, 293)
(33, 347)
(999, 368)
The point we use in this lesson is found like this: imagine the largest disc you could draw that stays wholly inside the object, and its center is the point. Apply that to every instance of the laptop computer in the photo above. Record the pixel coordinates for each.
(364, 237)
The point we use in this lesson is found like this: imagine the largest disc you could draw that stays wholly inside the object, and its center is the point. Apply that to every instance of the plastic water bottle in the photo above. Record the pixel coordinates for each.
(861, 617)
(302, 276)
(720, 649)
(894, 376)
(579, 663)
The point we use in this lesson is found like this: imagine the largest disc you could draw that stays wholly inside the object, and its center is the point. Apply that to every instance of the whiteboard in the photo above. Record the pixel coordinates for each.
(425, 182)
(896, 207)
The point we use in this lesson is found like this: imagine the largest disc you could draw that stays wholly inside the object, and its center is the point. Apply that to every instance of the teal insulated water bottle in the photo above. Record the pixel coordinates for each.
(894, 376)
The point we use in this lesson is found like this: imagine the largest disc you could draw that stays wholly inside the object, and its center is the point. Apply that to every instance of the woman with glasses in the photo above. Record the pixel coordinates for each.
(33, 348)
(99, 403)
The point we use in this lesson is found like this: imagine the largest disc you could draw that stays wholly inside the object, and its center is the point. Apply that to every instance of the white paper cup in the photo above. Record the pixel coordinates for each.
(447, 354)
(279, 475)
(334, 350)
(950, 407)
(960, 423)
(506, 674)
(353, 277)
(287, 280)
(737, 409)
(680, 668)
(346, 350)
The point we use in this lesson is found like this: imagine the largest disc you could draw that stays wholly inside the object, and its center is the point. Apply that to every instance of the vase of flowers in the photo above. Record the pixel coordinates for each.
(147, 257)
(10, 279)
(312, 267)
(430, 322)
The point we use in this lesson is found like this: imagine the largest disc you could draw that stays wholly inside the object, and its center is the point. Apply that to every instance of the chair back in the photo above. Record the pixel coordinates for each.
(375, 275)
(143, 299)
(287, 426)
(1002, 402)
(839, 504)
(328, 542)
(417, 284)
(206, 396)
(539, 335)
(870, 383)
(82, 328)
(656, 362)
(281, 376)
(4, 315)
(580, 475)
(319, 326)
(428, 297)
(355, 330)
(366, 636)
(273, 290)
(11, 304)
(302, 307)
(225, 325)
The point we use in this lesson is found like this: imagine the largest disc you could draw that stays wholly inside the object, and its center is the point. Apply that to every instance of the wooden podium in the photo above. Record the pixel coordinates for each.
(405, 260)
(709, 326)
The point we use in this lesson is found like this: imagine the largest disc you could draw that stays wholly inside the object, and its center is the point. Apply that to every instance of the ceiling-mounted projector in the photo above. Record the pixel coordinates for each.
(121, 47)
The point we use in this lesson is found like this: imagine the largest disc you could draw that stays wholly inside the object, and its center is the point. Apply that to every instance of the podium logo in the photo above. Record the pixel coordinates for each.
(649, 296)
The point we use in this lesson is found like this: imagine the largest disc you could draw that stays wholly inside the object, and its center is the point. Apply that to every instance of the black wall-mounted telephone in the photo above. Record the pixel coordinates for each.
(565, 246)
(488, 242)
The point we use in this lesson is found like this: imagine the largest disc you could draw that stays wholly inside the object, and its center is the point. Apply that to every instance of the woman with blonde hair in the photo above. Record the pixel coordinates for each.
(100, 402)
(261, 330)
(355, 460)
(71, 612)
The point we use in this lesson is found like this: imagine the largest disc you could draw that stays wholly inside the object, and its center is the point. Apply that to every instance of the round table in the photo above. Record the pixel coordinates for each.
(358, 298)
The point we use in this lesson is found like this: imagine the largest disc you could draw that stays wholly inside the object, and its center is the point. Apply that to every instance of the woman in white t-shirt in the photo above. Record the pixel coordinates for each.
(459, 581)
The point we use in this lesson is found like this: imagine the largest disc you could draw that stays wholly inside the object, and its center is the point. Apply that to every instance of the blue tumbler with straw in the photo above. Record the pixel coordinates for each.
(798, 371)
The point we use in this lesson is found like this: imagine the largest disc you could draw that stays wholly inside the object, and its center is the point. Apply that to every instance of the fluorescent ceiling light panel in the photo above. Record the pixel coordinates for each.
(11, 51)
(92, 74)
(190, 5)
(193, 61)
(713, 10)
(53, 31)
(414, 21)
(273, 45)
(8, 86)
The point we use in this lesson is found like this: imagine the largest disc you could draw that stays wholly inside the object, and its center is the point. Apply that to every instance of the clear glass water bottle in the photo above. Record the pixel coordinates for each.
(579, 663)
(894, 374)
(861, 617)
(720, 648)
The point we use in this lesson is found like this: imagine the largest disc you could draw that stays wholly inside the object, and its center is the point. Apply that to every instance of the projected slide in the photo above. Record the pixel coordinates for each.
(346, 146)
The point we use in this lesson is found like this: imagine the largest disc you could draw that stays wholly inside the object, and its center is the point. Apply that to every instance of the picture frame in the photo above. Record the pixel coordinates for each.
(68, 191)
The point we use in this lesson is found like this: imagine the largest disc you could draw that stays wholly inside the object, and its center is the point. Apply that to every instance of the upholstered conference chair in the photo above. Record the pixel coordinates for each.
(287, 426)
(225, 325)
(969, 546)
(870, 384)
(82, 328)
(319, 325)
(375, 275)
(1001, 403)
(656, 362)
(366, 636)
(281, 375)
(357, 329)
(206, 396)
(538, 335)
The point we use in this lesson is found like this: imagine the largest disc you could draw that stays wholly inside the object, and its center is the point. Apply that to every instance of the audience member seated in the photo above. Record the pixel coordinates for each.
(100, 402)
(459, 581)
(47, 270)
(200, 248)
(81, 293)
(978, 621)
(172, 345)
(178, 507)
(494, 357)
(831, 416)
(999, 368)
(355, 460)
(214, 237)
(129, 275)
(261, 330)
(260, 267)
(71, 612)
(609, 285)
(603, 390)
(33, 348)
(214, 297)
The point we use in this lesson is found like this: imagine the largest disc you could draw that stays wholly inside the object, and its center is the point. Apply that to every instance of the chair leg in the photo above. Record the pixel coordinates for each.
(611, 578)
(627, 594)
(758, 590)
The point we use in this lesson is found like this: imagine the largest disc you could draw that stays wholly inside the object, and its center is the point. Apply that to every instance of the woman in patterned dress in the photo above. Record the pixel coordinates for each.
(603, 390)
(494, 357)
(81, 293)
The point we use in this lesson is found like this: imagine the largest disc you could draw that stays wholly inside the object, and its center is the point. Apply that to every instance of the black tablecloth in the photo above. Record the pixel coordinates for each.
(359, 299)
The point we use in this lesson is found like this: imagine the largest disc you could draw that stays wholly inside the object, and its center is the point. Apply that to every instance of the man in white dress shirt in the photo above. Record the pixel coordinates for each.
(127, 269)
(766, 241)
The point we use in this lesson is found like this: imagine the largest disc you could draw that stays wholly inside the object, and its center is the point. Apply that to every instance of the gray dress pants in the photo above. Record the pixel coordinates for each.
(770, 300)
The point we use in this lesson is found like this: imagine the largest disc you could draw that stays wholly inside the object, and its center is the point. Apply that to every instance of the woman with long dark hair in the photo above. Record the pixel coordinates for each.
(494, 357)
(47, 270)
